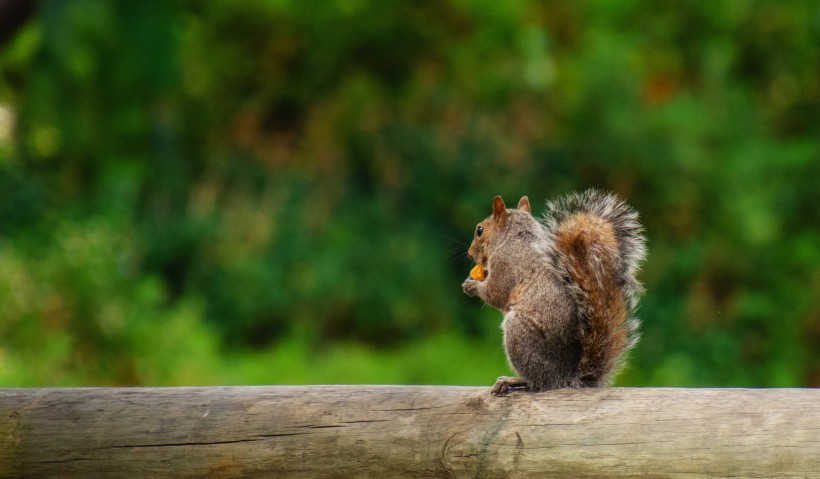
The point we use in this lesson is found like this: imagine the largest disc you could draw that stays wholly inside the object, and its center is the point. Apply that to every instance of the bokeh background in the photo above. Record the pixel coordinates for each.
(282, 191)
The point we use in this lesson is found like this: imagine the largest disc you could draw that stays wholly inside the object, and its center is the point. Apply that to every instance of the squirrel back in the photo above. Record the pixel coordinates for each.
(566, 285)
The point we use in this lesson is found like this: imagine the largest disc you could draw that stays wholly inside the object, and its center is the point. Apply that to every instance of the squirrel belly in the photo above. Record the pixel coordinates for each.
(566, 285)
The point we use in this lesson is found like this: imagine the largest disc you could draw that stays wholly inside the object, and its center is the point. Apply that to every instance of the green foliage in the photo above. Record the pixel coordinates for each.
(273, 191)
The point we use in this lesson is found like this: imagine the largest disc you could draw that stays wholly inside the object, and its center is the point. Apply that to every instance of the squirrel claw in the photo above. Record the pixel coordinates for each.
(505, 384)
(470, 287)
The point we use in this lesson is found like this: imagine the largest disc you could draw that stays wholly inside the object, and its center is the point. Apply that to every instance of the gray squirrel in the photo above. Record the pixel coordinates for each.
(566, 286)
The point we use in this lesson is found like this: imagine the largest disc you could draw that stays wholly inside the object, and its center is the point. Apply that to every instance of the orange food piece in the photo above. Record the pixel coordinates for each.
(477, 272)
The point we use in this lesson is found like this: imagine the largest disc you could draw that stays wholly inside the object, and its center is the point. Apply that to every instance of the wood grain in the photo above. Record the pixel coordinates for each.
(400, 431)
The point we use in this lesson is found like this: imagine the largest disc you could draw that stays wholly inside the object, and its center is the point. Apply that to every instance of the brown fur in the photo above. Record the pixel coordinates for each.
(566, 287)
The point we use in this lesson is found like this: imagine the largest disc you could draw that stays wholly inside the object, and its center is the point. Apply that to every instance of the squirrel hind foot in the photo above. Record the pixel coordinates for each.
(505, 385)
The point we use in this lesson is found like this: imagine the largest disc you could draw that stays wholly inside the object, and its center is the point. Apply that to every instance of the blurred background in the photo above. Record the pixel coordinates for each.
(283, 191)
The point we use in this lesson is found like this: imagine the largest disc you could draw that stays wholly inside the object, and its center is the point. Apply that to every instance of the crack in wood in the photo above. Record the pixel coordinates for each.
(365, 421)
(212, 443)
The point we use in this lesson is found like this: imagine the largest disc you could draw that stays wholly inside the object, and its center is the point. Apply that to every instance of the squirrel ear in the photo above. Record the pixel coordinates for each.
(499, 208)
(524, 204)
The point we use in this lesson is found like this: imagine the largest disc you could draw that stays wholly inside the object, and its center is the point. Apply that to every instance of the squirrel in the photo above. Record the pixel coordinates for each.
(566, 286)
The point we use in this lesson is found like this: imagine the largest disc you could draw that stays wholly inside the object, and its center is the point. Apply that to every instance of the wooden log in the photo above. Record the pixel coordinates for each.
(398, 431)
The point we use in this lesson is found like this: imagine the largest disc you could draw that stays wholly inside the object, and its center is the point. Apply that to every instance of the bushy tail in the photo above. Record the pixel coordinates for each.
(599, 247)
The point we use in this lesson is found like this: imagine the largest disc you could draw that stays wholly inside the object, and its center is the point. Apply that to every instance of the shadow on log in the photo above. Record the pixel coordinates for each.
(398, 431)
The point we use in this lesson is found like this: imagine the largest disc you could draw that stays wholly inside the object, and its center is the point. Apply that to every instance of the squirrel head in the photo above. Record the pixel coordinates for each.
(489, 233)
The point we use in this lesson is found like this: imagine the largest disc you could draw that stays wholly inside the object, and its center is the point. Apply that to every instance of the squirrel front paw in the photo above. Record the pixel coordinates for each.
(470, 287)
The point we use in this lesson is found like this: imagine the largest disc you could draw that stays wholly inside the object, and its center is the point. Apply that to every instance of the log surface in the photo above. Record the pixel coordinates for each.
(400, 431)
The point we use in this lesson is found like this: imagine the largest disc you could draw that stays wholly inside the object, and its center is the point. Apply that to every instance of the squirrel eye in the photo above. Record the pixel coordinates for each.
(479, 230)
